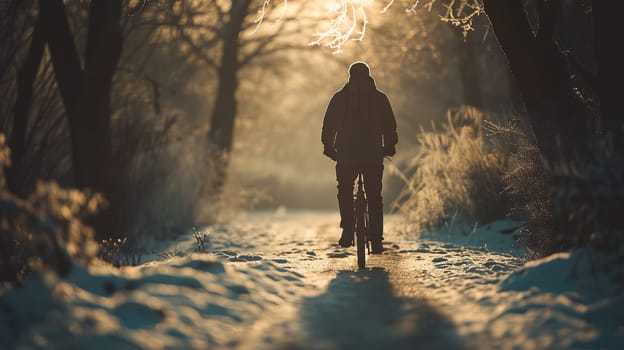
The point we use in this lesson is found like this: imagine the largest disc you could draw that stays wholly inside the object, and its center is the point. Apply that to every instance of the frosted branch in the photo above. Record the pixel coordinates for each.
(263, 11)
(348, 20)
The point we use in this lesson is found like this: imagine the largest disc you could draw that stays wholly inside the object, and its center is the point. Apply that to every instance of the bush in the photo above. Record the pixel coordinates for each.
(45, 232)
(527, 181)
(457, 171)
(529, 187)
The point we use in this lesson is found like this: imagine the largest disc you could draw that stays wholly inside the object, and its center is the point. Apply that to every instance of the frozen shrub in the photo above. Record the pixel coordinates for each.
(527, 181)
(457, 171)
(45, 231)
(528, 185)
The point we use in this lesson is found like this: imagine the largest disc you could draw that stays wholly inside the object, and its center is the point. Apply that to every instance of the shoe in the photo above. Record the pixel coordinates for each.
(346, 239)
(376, 246)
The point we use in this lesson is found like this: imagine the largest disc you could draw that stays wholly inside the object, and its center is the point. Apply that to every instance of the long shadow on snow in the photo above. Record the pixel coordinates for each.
(359, 310)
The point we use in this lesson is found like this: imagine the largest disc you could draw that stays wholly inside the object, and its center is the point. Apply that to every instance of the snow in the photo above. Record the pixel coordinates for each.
(193, 301)
(566, 289)
(494, 236)
(279, 281)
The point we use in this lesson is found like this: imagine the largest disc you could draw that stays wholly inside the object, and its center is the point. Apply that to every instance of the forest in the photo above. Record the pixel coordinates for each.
(151, 149)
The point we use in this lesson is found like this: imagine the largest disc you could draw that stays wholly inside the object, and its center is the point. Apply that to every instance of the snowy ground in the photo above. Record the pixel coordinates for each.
(279, 281)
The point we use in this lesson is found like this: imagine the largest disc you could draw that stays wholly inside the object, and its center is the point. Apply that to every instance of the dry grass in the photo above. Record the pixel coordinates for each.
(457, 172)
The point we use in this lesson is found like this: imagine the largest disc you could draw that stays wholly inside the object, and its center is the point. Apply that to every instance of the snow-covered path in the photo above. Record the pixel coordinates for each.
(279, 281)
(414, 294)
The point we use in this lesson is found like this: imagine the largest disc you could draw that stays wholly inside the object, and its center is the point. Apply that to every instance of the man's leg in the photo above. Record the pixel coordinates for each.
(345, 175)
(373, 176)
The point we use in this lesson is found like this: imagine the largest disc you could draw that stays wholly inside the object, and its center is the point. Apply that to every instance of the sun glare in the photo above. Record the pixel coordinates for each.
(348, 21)
(345, 20)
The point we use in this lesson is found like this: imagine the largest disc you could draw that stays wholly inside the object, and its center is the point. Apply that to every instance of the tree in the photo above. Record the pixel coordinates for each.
(609, 44)
(559, 119)
(86, 92)
(469, 69)
(223, 35)
(24, 80)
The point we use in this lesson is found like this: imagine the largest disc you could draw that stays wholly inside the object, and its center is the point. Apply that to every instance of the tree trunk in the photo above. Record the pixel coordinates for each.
(609, 43)
(86, 95)
(25, 80)
(559, 120)
(64, 55)
(224, 113)
(470, 70)
(221, 133)
(96, 168)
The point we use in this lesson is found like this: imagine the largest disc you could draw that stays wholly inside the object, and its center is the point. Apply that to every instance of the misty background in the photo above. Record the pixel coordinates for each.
(171, 100)
(415, 59)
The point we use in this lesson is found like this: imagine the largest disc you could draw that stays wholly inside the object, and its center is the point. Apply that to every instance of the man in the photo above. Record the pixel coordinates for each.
(359, 130)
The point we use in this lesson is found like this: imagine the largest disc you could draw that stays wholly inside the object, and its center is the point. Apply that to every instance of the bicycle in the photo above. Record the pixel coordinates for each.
(361, 224)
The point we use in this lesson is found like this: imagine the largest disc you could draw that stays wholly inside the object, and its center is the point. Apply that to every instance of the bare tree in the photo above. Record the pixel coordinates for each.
(225, 36)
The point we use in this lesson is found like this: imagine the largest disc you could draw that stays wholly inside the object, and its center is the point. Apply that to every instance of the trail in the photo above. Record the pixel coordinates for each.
(280, 281)
(409, 296)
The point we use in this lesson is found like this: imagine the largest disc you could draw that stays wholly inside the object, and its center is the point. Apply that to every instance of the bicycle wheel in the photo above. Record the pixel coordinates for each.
(360, 231)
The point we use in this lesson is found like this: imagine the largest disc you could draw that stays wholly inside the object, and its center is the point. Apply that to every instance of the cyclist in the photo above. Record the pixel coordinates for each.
(359, 130)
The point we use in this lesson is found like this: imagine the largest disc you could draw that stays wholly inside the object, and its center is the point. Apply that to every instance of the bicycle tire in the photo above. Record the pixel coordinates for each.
(360, 232)
(361, 251)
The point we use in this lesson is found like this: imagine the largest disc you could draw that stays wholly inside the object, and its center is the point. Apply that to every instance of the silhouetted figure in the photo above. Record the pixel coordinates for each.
(359, 129)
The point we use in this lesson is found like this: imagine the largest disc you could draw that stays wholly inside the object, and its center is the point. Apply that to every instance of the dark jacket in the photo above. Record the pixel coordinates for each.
(359, 123)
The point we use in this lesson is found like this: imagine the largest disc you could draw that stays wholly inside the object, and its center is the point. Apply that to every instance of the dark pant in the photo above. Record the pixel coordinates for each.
(346, 175)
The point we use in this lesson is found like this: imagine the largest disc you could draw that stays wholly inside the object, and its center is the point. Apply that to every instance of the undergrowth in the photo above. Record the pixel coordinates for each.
(588, 194)
(565, 204)
(476, 171)
(456, 172)
(44, 231)
(118, 252)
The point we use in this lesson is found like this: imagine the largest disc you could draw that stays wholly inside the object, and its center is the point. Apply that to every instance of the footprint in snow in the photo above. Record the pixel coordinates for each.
(339, 254)
(138, 315)
(230, 253)
(245, 258)
(280, 261)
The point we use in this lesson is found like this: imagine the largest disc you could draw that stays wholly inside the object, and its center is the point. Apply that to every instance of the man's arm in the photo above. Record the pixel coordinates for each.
(330, 124)
(388, 127)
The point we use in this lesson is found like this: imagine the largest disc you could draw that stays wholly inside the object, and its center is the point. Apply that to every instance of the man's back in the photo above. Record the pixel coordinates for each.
(358, 122)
